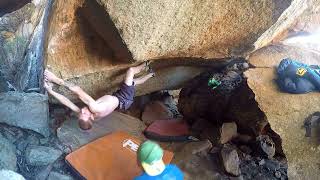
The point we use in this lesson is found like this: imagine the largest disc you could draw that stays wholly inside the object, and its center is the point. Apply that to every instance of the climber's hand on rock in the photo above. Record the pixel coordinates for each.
(47, 85)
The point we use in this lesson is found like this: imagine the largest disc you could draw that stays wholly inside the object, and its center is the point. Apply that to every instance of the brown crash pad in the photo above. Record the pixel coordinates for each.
(169, 130)
(72, 136)
(110, 157)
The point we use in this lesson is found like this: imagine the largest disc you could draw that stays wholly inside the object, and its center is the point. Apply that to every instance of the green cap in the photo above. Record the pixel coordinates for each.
(149, 152)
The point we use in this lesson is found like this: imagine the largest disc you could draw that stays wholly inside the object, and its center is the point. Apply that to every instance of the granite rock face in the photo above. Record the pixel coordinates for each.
(230, 160)
(25, 110)
(15, 34)
(41, 155)
(232, 100)
(22, 35)
(10, 175)
(227, 132)
(286, 112)
(302, 16)
(58, 176)
(8, 158)
(98, 35)
(72, 40)
(189, 28)
(195, 161)
(7, 6)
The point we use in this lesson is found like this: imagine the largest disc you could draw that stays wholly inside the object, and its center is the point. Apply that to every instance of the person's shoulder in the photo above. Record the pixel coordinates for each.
(143, 176)
(172, 166)
(139, 178)
(175, 170)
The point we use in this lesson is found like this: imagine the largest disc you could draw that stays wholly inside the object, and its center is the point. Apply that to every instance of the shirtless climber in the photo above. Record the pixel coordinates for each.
(97, 109)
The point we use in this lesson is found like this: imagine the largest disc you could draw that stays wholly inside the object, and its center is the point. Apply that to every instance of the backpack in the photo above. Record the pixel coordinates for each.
(297, 78)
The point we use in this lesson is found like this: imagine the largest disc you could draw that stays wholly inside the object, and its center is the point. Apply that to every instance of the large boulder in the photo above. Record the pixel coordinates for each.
(76, 53)
(96, 36)
(8, 158)
(228, 131)
(7, 6)
(301, 16)
(4, 84)
(207, 29)
(286, 112)
(230, 159)
(57, 176)
(232, 100)
(15, 32)
(22, 35)
(41, 155)
(309, 20)
(305, 29)
(106, 82)
(195, 161)
(198, 100)
(10, 175)
(25, 110)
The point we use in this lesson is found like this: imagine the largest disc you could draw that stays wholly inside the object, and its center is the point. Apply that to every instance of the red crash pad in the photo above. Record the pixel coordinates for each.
(168, 130)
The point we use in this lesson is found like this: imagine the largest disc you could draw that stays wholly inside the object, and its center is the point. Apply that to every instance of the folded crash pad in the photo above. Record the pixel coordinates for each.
(110, 157)
(169, 130)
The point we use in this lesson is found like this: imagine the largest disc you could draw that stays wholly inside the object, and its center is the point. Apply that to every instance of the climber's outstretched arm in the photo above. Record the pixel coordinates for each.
(62, 99)
(83, 96)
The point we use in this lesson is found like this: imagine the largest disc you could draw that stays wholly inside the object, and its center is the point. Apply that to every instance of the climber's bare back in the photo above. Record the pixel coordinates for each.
(104, 106)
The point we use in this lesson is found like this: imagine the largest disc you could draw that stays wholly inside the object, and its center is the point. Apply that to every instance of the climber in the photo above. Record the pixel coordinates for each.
(97, 109)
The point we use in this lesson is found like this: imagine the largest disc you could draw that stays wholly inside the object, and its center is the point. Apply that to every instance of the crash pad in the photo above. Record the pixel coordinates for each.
(110, 157)
(169, 130)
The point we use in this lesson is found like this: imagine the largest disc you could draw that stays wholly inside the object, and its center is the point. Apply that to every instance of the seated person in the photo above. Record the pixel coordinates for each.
(150, 158)
(97, 109)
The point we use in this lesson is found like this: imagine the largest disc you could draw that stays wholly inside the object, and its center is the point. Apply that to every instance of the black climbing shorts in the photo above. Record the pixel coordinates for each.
(125, 95)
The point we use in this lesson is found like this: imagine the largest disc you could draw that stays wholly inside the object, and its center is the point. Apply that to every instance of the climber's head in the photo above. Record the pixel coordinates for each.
(85, 118)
